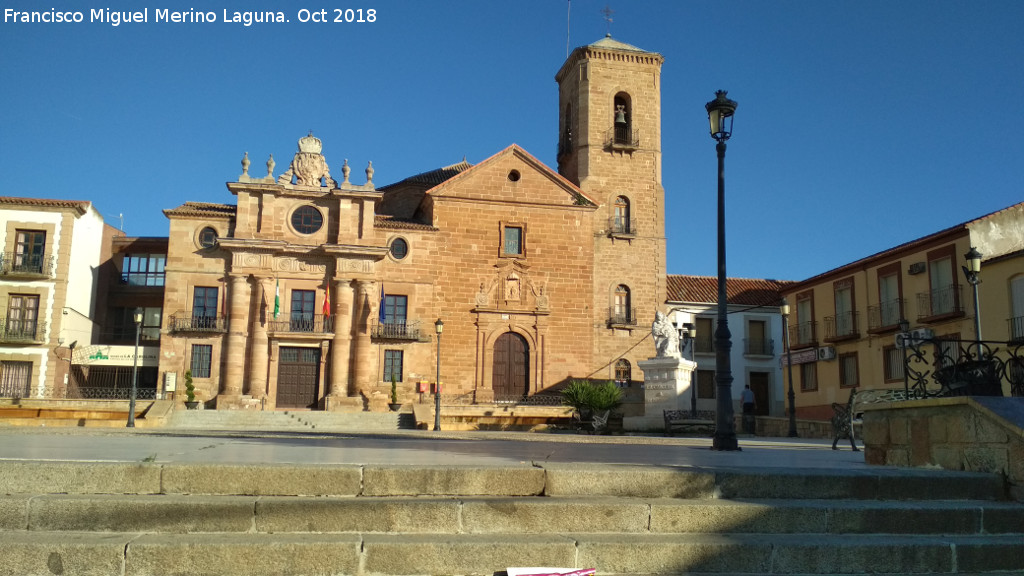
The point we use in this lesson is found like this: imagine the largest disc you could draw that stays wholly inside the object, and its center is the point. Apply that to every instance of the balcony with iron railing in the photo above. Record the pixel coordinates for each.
(940, 304)
(621, 137)
(885, 316)
(803, 335)
(304, 323)
(189, 322)
(845, 326)
(20, 331)
(1016, 326)
(399, 330)
(758, 347)
(704, 344)
(29, 266)
(624, 317)
(621, 227)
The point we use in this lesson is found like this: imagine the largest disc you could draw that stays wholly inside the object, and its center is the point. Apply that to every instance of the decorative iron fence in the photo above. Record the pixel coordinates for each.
(21, 330)
(310, 323)
(620, 136)
(398, 331)
(189, 323)
(952, 367)
(17, 263)
(621, 317)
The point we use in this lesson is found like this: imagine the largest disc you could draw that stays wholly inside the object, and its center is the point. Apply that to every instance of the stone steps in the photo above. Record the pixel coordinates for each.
(256, 420)
(179, 518)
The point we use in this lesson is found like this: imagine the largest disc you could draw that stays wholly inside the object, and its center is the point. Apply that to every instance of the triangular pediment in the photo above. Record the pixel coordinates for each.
(512, 176)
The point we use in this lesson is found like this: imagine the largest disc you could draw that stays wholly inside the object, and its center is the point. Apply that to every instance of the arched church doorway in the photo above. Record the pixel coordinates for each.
(511, 367)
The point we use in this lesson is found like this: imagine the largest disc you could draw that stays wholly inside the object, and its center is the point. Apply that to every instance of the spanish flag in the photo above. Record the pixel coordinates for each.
(327, 301)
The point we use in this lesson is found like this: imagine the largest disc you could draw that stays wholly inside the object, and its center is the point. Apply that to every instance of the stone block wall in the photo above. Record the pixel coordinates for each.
(974, 434)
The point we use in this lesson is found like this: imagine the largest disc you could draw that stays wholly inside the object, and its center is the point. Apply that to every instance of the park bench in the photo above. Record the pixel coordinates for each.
(844, 416)
(684, 421)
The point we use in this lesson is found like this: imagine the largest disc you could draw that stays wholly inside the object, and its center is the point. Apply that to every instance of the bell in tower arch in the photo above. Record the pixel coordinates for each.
(620, 114)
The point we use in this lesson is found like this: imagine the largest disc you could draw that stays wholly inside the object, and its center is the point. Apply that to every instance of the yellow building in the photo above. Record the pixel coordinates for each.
(843, 323)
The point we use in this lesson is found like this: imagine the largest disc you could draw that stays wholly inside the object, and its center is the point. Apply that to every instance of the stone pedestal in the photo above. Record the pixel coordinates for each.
(666, 385)
(343, 403)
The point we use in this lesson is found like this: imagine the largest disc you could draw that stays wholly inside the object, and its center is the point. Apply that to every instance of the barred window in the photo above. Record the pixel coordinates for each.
(393, 365)
(809, 376)
(623, 373)
(848, 377)
(202, 359)
(893, 360)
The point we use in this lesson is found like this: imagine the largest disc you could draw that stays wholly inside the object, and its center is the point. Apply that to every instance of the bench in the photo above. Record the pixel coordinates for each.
(844, 415)
(684, 421)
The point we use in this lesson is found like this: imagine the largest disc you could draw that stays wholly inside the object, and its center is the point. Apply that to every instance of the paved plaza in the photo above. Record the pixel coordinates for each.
(413, 448)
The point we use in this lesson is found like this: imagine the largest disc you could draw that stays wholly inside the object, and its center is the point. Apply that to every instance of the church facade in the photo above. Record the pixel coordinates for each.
(313, 291)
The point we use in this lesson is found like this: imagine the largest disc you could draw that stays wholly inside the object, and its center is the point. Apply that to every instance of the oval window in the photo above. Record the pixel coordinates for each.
(307, 220)
(208, 237)
(399, 248)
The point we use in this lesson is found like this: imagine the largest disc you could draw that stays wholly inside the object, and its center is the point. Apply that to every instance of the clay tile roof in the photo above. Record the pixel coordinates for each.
(742, 291)
(438, 176)
(388, 222)
(202, 209)
(80, 205)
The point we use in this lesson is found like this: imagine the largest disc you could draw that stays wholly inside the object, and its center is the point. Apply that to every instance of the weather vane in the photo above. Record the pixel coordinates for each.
(608, 17)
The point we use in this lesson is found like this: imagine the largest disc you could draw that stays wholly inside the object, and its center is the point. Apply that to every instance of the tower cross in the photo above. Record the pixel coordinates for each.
(608, 17)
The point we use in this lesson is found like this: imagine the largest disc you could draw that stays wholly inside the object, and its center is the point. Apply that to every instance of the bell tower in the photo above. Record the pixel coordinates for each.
(609, 144)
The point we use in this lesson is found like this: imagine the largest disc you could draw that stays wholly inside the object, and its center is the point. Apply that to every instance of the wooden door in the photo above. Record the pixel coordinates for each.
(759, 385)
(511, 367)
(298, 375)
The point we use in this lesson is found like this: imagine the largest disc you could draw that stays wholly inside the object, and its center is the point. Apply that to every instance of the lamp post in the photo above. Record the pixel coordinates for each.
(789, 368)
(971, 271)
(720, 115)
(135, 369)
(438, 327)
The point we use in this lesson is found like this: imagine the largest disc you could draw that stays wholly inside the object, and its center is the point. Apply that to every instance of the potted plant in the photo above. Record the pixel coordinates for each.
(592, 404)
(395, 405)
(190, 392)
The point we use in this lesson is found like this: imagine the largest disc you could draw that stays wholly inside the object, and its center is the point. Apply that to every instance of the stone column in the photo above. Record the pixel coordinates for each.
(341, 345)
(259, 359)
(238, 326)
(362, 367)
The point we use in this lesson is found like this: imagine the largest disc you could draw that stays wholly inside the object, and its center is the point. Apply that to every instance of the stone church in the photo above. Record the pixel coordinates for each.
(314, 291)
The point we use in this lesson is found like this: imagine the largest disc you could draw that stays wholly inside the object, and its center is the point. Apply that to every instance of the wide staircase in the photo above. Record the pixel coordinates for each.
(288, 421)
(210, 519)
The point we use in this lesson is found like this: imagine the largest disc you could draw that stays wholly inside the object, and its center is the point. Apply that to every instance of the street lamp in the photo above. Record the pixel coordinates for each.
(789, 368)
(720, 114)
(135, 369)
(971, 271)
(438, 327)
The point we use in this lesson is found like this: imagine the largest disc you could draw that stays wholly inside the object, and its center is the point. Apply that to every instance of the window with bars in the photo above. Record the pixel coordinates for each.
(393, 365)
(15, 379)
(808, 376)
(623, 373)
(892, 359)
(848, 376)
(202, 360)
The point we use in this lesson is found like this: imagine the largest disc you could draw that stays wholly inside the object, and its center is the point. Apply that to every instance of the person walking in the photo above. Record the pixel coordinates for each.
(747, 398)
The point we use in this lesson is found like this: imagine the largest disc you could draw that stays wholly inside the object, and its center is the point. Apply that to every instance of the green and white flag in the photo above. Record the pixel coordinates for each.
(277, 299)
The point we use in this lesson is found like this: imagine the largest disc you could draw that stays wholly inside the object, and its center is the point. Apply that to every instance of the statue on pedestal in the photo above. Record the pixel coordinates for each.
(666, 339)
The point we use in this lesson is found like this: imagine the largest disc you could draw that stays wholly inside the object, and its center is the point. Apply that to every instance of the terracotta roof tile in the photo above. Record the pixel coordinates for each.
(202, 209)
(435, 177)
(388, 222)
(80, 205)
(743, 291)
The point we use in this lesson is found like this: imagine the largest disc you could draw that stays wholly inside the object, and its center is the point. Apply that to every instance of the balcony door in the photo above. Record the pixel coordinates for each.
(303, 306)
(22, 316)
(28, 250)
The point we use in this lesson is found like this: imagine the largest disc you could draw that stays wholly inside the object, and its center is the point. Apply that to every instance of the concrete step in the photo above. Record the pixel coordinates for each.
(499, 515)
(282, 420)
(551, 480)
(138, 554)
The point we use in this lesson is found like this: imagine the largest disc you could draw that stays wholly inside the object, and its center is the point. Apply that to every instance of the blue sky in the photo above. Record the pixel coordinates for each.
(861, 124)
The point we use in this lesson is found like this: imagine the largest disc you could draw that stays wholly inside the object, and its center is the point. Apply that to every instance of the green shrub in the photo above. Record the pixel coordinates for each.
(190, 389)
(585, 396)
(394, 390)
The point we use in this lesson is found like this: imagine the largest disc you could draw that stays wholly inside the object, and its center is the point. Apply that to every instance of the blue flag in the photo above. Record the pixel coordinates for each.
(382, 314)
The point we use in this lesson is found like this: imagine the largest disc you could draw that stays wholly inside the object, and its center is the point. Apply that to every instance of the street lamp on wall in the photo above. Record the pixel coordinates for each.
(784, 308)
(438, 327)
(135, 369)
(720, 115)
(971, 271)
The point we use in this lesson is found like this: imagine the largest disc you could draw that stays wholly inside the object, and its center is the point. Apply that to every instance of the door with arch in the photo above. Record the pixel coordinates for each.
(510, 378)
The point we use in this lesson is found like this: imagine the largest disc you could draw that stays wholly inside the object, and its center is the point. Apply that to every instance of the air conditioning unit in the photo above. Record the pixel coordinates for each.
(904, 340)
(916, 268)
(922, 334)
(827, 353)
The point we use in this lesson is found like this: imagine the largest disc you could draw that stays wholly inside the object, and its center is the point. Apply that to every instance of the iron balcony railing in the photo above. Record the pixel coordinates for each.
(397, 330)
(618, 316)
(20, 330)
(803, 334)
(939, 302)
(885, 315)
(759, 346)
(622, 226)
(842, 326)
(304, 323)
(18, 264)
(188, 322)
(620, 136)
(1016, 329)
